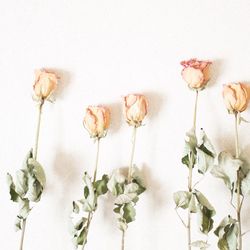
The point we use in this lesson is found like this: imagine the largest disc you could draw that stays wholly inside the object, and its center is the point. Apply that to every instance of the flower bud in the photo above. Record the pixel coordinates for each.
(236, 97)
(97, 121)
(196, 73)
(135, 109)
(45, 84)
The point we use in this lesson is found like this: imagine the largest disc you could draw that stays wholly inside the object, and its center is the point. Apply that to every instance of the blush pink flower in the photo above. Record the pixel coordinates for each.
(135, 109)
(236, 97)
(196, 73)
(97, 121)
(45, 84)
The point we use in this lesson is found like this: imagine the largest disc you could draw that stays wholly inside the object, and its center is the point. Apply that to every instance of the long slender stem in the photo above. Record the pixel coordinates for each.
(90, 215)
(35, 149)
(123, 240)
(195, 110)
(23, 233)
(190, 175)
(130, 175)
(239, 201)
(132, 154)
(96, 159)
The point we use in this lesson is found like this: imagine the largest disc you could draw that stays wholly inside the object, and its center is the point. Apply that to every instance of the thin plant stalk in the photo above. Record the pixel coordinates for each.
(90, 215)
(123, 240)
(190, 175)
(239, 201)
(130, 175)
(35, 149)
(132, 154)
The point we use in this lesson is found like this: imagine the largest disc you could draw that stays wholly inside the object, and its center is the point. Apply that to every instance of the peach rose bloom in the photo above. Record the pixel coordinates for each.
(135, 109)
(97, 121)
(45, 83)
(236, 97)
(196, 73)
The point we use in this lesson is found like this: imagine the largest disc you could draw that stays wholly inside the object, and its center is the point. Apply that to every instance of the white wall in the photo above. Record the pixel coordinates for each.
(103, 50)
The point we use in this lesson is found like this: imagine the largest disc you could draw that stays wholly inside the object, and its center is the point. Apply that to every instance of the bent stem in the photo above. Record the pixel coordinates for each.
(90, 215)
(239, 201)
(190, 175)
(35, 149)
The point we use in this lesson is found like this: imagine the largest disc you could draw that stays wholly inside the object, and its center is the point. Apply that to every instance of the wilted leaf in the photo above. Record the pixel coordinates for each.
(76, 208)
(38, 171)
(227, 169)
(205, 213)
(89, 203)
(131, 188)
(116, 182)
(35, 189)
(21, 182)
(192, 204)
(189, 154)
(204, 161)
(122, 224)
(129, 212)
(24, 208)
(227, 232)
(101, 185)
(200, 244)
(13, 194)
(125, 198)
(245, 185)
(18, 224)
(182, 199)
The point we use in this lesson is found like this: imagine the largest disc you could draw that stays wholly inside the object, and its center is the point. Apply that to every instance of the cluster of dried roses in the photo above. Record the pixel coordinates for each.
(199, 154)
(29, 183)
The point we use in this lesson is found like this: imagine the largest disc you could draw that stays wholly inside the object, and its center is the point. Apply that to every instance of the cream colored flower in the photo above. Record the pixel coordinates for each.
(135, 109)
(45, 84)
(97, 121)
(236, 97)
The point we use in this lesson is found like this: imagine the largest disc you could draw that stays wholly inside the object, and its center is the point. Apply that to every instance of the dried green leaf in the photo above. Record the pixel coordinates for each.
(227, 233)
(129, 212)
(12, 189)
(101, 185)
(182, 199)
(205, 213)
(227, 169)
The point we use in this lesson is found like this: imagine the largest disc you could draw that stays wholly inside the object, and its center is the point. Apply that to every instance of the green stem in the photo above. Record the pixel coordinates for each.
(239, 201)
(90, 215)
(35, 149)
(190, 174)
(132, 155)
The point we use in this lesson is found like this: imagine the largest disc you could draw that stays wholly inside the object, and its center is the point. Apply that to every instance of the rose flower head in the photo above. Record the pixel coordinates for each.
(97, 121)
(196, 73)
(135, 109)
(45, 84)
(236, 97)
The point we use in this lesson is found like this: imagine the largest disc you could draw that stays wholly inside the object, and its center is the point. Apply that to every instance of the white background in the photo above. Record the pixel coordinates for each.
(103, 49)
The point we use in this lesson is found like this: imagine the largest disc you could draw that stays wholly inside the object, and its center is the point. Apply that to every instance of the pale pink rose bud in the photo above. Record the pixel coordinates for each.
(135, 109)
(196, 73)
(236, 97)
(97, 121)
(45, 84)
